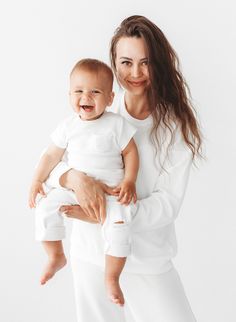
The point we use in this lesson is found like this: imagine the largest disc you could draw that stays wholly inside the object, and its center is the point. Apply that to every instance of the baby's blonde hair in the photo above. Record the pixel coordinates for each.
(95, 66)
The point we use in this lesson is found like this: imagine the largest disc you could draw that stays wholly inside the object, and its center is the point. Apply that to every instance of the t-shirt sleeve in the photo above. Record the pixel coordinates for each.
(59, 137)
(126, 132)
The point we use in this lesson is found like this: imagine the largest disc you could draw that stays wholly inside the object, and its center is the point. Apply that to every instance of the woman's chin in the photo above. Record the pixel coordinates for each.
(137, 91)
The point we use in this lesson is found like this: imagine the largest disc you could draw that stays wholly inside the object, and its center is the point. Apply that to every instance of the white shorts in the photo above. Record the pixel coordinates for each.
(50, 224)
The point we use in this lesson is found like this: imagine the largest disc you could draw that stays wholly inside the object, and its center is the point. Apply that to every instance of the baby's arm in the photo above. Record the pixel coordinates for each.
(126, 189)
(48, 161)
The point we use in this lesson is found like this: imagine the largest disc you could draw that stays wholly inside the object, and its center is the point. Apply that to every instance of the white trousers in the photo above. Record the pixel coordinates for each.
(49, 223)
(148, 298)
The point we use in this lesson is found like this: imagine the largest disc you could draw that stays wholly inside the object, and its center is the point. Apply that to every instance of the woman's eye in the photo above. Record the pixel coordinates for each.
(126, 63)
(145, 63)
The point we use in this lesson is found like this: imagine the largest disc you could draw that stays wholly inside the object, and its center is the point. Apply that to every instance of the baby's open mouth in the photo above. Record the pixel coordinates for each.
(87, 108)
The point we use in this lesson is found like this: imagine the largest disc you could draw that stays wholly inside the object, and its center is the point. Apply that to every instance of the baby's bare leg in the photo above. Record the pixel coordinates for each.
(56, 259)
(114, 267)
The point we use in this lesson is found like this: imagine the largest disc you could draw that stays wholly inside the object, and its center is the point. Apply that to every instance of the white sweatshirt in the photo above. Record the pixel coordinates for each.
(160, 194)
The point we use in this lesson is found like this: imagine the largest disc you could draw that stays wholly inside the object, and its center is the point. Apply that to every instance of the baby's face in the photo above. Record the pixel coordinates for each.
(89, 94)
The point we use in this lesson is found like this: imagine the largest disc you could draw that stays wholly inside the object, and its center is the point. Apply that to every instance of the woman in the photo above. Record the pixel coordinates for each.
(168, 139)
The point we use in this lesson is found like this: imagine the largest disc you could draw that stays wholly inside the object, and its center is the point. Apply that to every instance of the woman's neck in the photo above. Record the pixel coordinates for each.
(137, 105)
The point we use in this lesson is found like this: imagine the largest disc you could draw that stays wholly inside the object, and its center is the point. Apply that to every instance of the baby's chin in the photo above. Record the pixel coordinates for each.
(89, 117)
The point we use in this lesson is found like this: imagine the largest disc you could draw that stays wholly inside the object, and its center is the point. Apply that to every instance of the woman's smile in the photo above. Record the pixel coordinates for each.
(137, 83)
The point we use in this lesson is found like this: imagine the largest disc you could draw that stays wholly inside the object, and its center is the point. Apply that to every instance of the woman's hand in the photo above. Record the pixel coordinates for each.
(89, 192)
(76, 212)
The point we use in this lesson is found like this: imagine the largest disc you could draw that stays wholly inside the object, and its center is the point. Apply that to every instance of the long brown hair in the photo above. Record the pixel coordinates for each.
(168, 92)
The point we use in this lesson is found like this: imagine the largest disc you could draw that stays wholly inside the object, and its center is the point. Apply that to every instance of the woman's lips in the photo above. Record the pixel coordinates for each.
(137, 84)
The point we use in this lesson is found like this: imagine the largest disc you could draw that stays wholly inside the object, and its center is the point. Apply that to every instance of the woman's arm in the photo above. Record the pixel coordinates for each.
(163, 205)
(90, 193)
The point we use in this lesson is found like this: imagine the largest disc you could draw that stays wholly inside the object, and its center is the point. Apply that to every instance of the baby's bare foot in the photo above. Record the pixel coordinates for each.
(55, 263)
(114, 291)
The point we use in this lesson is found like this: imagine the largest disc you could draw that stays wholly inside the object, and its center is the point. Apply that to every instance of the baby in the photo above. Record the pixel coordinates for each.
(100, 144)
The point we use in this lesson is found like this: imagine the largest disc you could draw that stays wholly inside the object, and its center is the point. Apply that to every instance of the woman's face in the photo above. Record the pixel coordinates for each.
(132, 65)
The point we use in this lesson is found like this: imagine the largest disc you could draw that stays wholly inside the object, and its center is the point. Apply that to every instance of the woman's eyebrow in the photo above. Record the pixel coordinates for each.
(127, 58)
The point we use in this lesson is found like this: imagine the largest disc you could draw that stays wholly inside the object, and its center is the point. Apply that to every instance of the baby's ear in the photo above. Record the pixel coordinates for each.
(112, 94)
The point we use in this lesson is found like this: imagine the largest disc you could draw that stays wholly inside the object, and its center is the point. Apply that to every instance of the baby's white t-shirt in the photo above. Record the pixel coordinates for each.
(95, 146)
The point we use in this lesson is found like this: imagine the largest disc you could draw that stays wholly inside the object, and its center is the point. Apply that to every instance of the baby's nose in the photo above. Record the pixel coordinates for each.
(85, 98)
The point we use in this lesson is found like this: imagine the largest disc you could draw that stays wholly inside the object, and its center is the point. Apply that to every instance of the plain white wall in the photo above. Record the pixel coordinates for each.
(40, 41)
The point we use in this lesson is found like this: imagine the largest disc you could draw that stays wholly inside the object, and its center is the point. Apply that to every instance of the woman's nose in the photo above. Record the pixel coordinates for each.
(136, 71)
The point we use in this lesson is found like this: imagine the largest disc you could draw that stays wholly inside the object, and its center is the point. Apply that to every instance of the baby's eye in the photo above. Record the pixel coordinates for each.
(78, 91)
(95, 91)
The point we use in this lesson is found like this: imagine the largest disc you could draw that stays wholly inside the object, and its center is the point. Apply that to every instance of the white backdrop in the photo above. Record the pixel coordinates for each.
(40, 41)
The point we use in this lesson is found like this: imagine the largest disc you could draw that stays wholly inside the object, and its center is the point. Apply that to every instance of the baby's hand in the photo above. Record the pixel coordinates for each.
(36, 188)
(127, 192)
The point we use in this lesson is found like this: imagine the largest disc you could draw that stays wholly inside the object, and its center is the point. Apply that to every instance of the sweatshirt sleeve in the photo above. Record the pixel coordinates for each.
(162, 206)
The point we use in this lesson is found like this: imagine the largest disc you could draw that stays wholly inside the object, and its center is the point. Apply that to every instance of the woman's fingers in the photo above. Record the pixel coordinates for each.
(88, 211)
(91, 197)
(97, 209)
(92, 212)
(102, 209)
